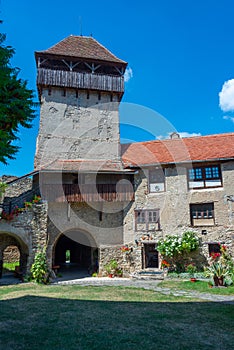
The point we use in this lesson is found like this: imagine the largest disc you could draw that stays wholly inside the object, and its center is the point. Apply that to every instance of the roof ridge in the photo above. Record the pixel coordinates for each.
(179, 139)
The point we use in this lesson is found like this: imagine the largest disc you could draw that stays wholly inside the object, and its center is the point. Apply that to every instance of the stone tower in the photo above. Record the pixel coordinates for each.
(80, 85)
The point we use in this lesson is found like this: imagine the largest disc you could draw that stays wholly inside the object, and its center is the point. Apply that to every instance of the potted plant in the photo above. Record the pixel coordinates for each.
(191, 269)
(111, 268)
(218, 271)
(119, 272)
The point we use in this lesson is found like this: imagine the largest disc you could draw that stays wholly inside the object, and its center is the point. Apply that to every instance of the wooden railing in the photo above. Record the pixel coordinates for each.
(78, 80)
(87, 193)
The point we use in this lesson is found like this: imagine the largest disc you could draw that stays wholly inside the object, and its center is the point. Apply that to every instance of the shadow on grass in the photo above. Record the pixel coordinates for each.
(33, 322)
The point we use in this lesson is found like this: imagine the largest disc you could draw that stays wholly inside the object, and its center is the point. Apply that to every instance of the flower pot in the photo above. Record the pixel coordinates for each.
(218, 281)
(193, 279)
(110, 275)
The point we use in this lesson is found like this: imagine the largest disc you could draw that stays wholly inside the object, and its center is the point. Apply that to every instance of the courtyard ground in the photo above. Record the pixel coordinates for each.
(111, 317)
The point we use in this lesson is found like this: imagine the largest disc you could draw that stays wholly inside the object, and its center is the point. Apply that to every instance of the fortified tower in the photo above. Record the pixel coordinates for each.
(80, 85)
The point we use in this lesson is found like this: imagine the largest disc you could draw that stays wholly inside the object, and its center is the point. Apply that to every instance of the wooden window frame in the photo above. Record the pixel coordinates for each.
(202, 170)
(144, 215)
(202, 214)
(151, 182)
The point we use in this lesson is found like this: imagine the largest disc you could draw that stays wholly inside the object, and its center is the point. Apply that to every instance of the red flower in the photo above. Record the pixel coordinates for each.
(164, 263)
(125, 249)
(215, 255)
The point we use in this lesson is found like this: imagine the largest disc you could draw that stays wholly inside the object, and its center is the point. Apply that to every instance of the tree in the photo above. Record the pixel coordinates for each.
(16, 103)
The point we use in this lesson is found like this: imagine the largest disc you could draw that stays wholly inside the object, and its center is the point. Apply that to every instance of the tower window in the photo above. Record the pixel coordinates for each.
(87, 95)
(99, 96)
(64, 93)
(77, 94)
(49, 92)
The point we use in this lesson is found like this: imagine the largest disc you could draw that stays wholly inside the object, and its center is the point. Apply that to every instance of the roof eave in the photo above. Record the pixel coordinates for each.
(180, 162)
(71, 57)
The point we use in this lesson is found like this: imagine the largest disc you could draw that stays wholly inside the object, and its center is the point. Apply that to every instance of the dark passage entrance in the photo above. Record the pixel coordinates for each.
(68, 251)
(150, 256)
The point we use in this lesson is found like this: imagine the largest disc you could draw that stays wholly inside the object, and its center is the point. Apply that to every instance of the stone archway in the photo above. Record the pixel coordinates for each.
(75, 251)
(11, 240)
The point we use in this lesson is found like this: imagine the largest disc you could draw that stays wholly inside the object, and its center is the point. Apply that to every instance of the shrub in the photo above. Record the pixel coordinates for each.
(191, 269)
(176, 247)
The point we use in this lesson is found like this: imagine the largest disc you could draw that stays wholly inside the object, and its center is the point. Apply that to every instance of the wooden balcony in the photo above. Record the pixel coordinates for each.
(87, 193)
(78, 80)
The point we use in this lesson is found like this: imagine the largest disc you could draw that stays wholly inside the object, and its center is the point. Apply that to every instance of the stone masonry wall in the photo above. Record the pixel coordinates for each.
(129, 262)
(174, 205)
(77, 126)
(28, 231)
(11, 254)
(17, 192)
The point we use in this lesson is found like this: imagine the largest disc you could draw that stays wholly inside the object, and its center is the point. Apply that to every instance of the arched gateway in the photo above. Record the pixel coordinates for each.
(13, 240)
(75, 251)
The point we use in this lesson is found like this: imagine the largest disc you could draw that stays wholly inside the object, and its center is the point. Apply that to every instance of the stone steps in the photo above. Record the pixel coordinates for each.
(149, 274)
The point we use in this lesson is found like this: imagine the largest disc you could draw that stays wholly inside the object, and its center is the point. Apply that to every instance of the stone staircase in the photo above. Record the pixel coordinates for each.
(148, 274)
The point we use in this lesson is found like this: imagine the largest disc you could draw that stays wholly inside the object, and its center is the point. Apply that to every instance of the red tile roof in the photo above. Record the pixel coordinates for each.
(200, 148)
(82, 47)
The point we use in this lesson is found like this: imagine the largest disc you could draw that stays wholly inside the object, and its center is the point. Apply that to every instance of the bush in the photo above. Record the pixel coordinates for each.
(176, 247)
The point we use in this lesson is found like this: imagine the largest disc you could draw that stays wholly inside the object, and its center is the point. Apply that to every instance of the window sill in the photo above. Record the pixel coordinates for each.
(153, 193)
(206, 189)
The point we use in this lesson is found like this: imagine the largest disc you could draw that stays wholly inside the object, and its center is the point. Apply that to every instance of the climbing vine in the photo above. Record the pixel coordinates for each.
(39, 268)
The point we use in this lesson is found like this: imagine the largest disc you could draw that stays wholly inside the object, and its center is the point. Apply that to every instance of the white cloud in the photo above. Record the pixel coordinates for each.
(187, 134)
(182, 135)
(227, 117)
(226, 96)
(128, 74)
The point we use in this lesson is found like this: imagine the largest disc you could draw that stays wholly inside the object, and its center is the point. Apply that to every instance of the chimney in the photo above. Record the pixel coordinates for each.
(174, 135)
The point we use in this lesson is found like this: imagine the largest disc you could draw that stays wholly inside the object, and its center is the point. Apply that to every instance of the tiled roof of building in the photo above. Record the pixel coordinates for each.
(84, 165)
(82, 47)
(200, 148)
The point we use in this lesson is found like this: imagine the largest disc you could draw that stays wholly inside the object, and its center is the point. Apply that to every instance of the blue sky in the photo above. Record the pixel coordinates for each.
(180, 54)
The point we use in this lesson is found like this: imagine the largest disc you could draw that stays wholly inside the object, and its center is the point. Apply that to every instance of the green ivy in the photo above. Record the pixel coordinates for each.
(39, 268)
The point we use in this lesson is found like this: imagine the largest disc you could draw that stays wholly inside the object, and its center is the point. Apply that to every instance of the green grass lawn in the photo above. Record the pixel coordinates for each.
(199, 286)
(10, 266)
(75, 317)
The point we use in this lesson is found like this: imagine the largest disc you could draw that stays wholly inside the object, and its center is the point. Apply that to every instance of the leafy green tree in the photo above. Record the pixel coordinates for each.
(16, 103)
